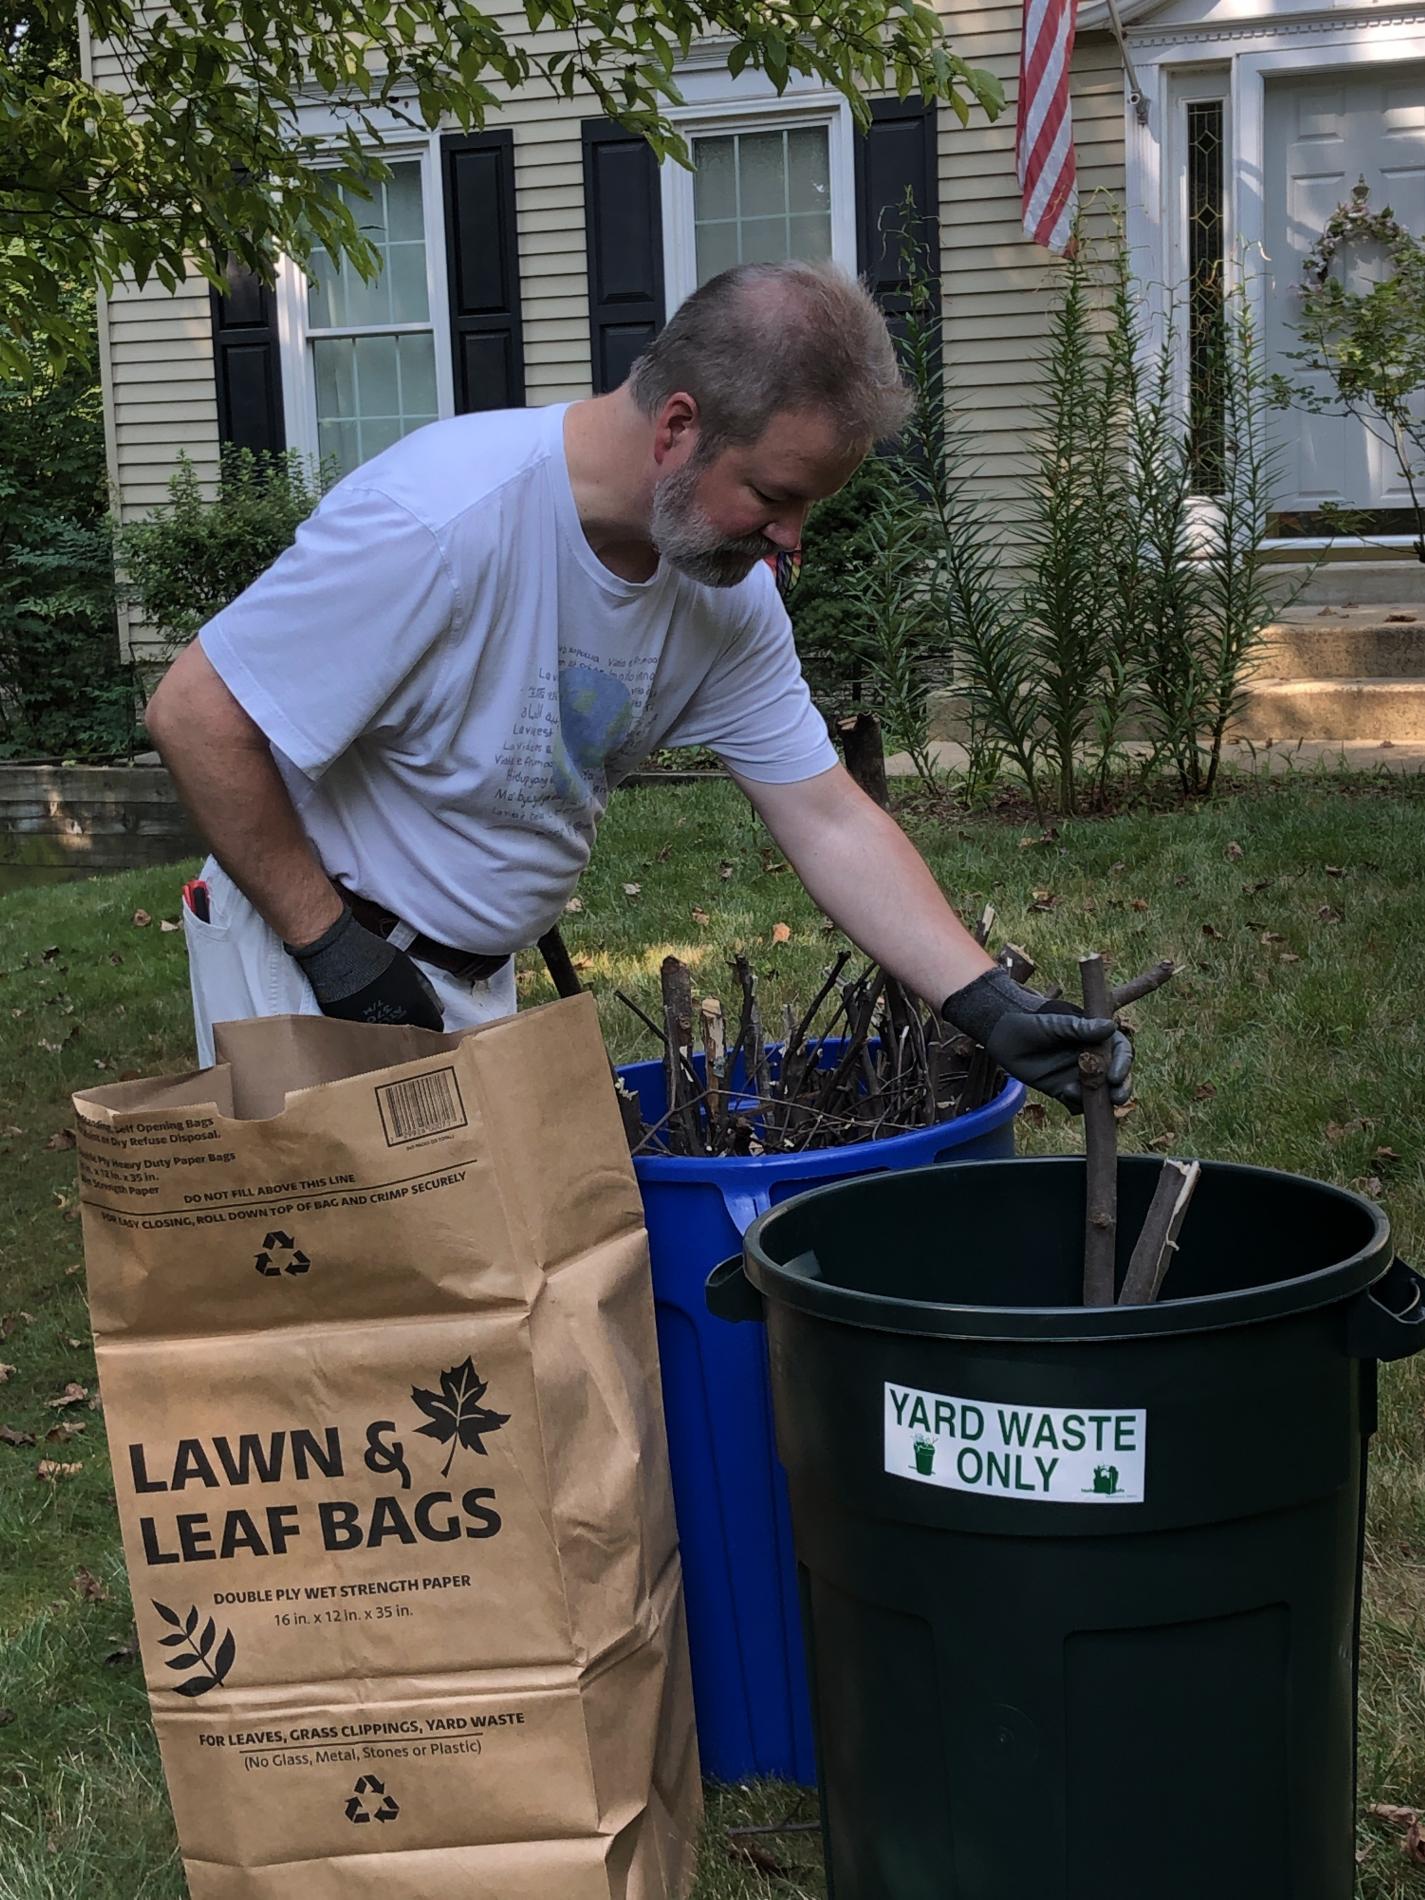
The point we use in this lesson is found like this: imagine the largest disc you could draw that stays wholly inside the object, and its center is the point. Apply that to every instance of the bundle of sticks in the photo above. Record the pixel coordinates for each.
(862, 1061)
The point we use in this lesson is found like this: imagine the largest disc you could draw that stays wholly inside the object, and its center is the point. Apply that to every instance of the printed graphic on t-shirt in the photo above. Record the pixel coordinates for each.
(575, 736)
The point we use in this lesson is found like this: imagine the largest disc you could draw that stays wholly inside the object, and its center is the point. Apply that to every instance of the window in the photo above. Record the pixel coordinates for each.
(772, 180)
(366, 363)
(1205, 261)
(760, 197)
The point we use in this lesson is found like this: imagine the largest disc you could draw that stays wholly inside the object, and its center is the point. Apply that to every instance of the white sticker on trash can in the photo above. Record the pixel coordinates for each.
(1041, 1453)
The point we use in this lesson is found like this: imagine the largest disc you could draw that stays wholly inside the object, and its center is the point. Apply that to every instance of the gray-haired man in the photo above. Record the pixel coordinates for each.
(400, 740)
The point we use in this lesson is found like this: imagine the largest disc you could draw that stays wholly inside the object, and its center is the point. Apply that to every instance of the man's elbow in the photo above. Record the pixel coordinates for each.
(159, 713)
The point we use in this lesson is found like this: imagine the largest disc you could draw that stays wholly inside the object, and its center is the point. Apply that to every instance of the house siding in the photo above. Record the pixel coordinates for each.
(158, 353)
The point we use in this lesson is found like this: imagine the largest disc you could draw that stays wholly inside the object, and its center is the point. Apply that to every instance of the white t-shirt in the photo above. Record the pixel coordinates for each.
(452, 681)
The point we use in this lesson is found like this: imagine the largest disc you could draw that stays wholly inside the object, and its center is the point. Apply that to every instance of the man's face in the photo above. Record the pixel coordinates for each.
(715, 520)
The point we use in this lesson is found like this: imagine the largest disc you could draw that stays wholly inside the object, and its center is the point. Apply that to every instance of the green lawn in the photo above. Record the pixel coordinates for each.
(1292, 1039)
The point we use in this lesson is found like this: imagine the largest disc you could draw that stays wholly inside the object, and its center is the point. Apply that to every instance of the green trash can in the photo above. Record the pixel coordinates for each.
(1081, 1587)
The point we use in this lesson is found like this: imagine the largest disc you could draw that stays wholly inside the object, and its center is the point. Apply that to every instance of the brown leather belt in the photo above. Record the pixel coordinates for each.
(461, 964)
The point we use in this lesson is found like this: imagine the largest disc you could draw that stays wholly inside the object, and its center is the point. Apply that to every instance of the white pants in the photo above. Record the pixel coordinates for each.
(238, 969)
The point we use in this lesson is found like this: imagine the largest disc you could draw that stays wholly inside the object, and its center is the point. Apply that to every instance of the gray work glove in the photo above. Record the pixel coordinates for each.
(1036, 1041)
(361, 978)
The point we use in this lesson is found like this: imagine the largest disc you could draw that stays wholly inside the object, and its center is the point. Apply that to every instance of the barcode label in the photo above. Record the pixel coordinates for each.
(427, 1104)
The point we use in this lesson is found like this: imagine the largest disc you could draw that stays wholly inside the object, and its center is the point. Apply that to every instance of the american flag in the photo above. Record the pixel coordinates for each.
(1044, 145)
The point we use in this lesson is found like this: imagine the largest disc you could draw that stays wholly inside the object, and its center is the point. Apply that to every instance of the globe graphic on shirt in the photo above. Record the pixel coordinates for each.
(595, 716)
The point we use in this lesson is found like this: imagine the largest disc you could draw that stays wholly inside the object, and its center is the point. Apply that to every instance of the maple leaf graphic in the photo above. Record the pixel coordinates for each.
(455, 1413)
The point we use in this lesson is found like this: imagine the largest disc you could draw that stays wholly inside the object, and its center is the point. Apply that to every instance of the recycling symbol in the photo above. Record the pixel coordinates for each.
(357, 1808)
(271, 1261)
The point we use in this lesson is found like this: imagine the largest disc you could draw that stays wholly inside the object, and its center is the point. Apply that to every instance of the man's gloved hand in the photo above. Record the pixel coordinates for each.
(1036, 1041)
(360, 977)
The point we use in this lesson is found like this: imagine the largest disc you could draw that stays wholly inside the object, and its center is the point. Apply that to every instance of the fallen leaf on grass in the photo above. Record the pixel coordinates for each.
(1385, 1154)
(73, 1394)
(1397, 1817)
(1328, 914)
(73, 1340)
(781, 933)
(1234, 851)
(1211, 930)
(1034, 1114)
(61, 1138)
(1122, 1110)
(89, 1586)
(1413, 1846)
(5, 1372)
(725, 869)
(126, 1651)
(1043, 900)
(61, 1434)
(78, 1267)
(1369, 1184)
(170, 923)
(1204, 1092)
(1138, 903)
(9, 1436)
(575, 904)
(52, 1472)
(772, 864)
(1334, 870)
(699, 915)
(1161, 1142)
(141, 920)
(662, 857)
(632, 890)
(115, 958)
(12, 1129)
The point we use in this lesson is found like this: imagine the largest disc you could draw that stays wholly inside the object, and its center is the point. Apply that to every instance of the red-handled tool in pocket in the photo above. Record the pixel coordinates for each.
(195, 896)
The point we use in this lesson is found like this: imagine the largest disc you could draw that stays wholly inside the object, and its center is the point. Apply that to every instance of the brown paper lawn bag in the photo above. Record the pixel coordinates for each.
(376, 1347)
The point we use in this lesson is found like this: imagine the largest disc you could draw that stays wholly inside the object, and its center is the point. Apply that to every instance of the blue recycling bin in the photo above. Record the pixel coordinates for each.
(730, 1492)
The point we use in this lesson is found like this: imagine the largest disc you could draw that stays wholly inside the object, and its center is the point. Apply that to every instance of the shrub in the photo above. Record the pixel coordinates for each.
(64, 690)
(192, 556)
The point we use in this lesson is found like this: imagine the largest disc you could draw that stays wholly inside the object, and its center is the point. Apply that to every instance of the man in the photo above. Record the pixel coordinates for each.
(400, 740)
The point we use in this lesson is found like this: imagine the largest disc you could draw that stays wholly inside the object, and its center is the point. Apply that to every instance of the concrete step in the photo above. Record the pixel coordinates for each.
(1382, 582)
(1319, 643)
(1367, 709)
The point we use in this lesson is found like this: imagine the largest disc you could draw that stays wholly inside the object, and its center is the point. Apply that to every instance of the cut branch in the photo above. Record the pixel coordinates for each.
(1159, 1239)
(1101, 1144)
(1143, 985)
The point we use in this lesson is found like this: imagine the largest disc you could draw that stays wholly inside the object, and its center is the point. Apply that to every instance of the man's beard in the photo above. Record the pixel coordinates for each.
(685, 537)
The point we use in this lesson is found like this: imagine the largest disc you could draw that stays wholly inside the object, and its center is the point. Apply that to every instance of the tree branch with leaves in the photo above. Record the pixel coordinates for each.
(203, 153)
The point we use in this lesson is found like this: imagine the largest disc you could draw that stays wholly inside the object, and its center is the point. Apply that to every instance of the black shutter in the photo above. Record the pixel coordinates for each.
(246, 362)
(896, 153)
(486, 340)
(623, 220)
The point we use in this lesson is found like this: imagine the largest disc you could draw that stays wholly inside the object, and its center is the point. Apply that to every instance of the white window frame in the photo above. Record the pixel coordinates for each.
(1170, 49)
(299, 387)
(732, 112)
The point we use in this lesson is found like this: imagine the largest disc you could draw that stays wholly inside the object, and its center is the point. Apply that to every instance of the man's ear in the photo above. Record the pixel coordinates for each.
(675, 429)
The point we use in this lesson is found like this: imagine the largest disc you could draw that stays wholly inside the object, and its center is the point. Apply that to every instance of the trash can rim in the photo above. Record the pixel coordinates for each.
(1212, 1312)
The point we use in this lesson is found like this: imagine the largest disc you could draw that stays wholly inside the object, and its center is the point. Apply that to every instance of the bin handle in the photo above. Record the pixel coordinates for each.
(744, 1204)
(730, 1294)
(1387, 1321)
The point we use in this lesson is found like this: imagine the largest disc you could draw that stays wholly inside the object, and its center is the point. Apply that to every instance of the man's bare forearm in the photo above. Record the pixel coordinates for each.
(228, 780)
(868, 877)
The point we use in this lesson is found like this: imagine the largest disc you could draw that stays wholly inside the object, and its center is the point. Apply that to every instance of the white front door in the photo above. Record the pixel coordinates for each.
(1323, 133)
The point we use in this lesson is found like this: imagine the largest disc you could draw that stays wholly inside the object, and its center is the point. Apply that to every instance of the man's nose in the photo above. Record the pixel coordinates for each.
(784, 530)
